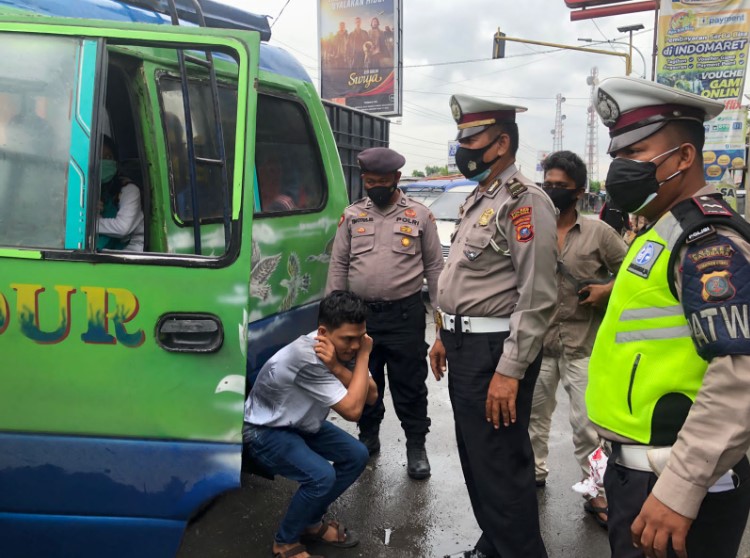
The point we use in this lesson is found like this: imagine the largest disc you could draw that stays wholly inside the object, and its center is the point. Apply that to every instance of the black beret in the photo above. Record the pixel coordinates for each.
(380, 160)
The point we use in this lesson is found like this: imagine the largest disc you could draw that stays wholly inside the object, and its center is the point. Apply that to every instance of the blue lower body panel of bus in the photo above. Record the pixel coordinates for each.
(85, 497)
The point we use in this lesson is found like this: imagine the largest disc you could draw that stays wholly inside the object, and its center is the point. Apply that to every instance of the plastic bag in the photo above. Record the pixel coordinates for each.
(597, 465)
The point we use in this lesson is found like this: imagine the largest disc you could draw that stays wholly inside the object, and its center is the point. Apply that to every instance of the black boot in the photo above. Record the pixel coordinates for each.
(417, 466)
(370, 438)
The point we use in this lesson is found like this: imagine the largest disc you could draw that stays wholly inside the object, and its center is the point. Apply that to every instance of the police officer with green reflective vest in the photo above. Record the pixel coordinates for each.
(496, 296)
(669, 377)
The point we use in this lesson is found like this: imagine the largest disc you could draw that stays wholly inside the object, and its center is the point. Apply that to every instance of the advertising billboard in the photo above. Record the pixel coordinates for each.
(360, 54)
(703, 47)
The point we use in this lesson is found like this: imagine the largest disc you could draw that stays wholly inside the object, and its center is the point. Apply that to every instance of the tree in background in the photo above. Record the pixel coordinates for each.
(418, 173)
(432, 170)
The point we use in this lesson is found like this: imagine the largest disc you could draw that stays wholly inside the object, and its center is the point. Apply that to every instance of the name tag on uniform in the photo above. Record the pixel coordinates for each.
(645, 259)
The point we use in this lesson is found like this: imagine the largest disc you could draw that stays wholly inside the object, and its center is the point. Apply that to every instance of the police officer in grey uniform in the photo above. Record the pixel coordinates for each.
(385, 246)
(669, 375)
(496, 297)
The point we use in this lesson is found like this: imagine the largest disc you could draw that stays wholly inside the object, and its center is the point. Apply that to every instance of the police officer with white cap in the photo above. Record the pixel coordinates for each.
(385, 246)
(496, 297)
(669, 376)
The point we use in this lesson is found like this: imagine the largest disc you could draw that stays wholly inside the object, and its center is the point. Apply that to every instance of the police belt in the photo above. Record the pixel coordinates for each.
(633, 456)
(466, 324)
(388, 305)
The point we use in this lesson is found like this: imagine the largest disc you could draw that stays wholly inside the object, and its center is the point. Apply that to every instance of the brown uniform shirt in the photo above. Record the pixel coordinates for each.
(516, 281)
(716, 433)
(592, 250)
(384, 254)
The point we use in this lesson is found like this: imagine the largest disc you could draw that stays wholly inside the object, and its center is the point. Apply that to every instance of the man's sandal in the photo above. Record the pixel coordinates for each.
(595, 511)
(292, 552)
(344, 537)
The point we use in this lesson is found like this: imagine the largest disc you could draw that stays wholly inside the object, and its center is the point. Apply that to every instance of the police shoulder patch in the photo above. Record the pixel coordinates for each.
(716, 297)
(341, 220)
(521, 219)
(516, 188)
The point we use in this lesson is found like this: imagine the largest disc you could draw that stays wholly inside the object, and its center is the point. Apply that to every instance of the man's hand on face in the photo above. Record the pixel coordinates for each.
(326, 352)
(365, 347)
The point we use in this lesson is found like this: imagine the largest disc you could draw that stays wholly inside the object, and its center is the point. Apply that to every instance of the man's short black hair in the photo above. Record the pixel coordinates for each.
(341, 307)
(570, 163)
(510, 128)
(689, 131)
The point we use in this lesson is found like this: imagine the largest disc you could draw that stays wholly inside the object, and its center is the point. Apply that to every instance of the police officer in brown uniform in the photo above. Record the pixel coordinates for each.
(385, 246)
(495, 299)
(669, 375)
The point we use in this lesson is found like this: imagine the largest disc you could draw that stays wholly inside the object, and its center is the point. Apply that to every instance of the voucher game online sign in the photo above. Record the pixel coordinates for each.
(703, 48)
(360, 54)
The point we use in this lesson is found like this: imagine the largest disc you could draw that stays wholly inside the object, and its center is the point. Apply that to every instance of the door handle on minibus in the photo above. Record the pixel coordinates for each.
(190, 333)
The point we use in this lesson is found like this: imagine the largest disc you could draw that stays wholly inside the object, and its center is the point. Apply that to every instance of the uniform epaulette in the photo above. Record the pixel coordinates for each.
(516, 188)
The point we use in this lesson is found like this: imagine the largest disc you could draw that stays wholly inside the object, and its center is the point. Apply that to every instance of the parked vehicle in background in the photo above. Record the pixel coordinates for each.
(445, 210)
(427, 190)
(354, 131)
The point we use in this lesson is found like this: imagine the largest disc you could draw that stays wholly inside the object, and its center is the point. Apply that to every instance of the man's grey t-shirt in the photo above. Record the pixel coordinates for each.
(294, 389)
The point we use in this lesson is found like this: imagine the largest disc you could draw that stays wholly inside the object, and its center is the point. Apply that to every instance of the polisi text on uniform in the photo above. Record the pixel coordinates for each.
(408, 221)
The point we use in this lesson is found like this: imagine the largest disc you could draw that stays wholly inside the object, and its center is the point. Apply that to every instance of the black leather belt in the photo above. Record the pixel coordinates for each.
(387, 305)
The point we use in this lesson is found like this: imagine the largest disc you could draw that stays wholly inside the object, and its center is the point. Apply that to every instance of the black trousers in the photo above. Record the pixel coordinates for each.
(715, 533)
(397, 330)
(498, 465)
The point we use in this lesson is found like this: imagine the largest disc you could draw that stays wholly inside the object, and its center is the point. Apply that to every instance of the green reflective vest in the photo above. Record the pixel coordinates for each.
(643, 350)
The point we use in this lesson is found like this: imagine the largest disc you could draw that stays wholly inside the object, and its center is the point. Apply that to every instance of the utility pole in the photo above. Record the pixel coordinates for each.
(557, 142)
(629, 29)
(592, 131)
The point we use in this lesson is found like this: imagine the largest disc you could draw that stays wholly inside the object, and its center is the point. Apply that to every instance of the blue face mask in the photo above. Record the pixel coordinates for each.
(108, 170)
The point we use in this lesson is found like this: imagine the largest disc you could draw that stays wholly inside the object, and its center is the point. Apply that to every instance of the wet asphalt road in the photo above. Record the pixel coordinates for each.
(396, 517)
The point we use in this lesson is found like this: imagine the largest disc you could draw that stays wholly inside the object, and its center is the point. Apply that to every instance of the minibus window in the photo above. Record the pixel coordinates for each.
(288, 167)
(37, 95)
(209, 177)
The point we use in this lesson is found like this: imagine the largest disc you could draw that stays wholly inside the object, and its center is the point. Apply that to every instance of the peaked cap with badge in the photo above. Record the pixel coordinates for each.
(474, 115)
(634, 109)
(380, 160)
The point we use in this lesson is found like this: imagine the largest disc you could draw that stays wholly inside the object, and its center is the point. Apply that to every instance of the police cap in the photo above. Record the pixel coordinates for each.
(380, 160)
(633, 108)
(474, 115)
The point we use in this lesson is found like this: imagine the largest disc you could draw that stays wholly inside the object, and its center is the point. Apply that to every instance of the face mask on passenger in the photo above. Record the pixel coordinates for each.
(632, 184)
(108, 170)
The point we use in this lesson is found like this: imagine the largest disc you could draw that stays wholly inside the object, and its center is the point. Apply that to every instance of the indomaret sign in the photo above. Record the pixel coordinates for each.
(360, 54)
(703, 47)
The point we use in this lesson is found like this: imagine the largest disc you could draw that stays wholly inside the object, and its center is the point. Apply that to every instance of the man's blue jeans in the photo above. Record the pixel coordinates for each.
(305, 458)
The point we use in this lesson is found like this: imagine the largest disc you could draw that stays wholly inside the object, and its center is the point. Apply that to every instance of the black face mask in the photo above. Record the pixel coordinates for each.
(381, 195)
(632, 184)
(470, 163)
(562, 198)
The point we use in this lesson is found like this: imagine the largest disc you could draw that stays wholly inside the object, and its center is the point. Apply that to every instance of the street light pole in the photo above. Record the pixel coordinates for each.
(629, 29)
(501, 38)
(643, 58)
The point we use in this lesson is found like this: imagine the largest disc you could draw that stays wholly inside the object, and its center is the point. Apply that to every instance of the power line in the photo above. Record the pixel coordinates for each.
(276, 19)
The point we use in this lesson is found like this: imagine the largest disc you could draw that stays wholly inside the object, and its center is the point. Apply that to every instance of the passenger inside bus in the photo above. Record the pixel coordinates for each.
(120, 211)
(274, 197)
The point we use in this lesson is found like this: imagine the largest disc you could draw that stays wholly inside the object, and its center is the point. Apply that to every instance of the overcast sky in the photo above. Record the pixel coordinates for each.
(436, 32)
